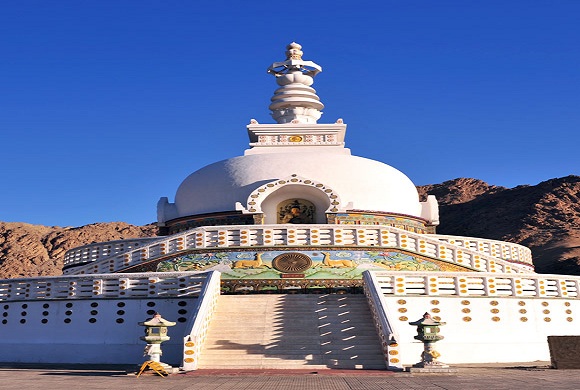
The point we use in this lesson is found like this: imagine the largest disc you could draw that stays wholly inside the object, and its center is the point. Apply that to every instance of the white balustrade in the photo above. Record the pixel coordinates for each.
(475, 284)
(498, 249)
(164, 284)
(381, 317)
(257, 236)
(100, 250)
(193, 342)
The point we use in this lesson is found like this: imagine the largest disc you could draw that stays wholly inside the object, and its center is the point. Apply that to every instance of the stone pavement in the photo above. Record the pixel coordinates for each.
(472, 377)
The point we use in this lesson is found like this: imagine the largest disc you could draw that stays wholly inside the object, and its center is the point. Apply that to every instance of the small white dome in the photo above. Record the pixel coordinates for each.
(361, 183)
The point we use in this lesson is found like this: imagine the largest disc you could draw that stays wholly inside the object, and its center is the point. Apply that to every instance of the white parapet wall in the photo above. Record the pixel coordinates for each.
(93, 319)
(198, 326)
(489, 317)
(379, 310)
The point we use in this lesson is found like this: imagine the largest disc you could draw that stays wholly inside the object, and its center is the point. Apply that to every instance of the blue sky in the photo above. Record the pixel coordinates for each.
(106, 106)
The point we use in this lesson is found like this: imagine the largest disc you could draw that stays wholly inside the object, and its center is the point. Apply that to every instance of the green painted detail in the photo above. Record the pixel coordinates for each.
(331, 264)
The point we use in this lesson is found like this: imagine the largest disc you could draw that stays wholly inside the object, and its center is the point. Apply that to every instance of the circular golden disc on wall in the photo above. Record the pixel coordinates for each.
(292, 262)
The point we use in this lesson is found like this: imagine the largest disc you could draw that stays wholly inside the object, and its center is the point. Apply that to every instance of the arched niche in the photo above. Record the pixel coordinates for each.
(308, 195)
(265, 200)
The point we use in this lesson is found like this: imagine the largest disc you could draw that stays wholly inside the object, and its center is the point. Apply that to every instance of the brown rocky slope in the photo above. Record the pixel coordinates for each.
(544, 217)
(35, 250)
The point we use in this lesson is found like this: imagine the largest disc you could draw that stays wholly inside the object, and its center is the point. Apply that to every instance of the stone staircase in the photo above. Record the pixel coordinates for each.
(283, 331)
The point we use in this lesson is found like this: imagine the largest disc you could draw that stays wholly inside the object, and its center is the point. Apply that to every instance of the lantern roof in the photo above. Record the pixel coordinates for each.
(427, 320)
(157, 320)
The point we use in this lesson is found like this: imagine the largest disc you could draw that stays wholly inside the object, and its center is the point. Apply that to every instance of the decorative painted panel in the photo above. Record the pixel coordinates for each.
(302, 264)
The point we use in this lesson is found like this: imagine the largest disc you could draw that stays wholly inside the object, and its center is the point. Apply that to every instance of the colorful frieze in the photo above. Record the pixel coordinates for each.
(303, 264)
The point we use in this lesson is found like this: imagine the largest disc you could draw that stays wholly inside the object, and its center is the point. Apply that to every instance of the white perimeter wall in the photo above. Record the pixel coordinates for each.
(112, 337)
(476, 333)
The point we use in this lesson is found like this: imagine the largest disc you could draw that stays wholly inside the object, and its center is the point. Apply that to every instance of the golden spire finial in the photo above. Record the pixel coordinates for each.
(293, 51)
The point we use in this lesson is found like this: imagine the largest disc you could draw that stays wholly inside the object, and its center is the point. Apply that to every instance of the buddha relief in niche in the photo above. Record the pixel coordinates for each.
(296, 211)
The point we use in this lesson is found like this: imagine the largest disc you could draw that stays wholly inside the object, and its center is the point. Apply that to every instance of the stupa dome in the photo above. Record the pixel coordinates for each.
(357, 182)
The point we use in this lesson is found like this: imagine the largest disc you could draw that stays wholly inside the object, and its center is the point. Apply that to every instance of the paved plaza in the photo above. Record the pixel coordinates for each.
(467, 378)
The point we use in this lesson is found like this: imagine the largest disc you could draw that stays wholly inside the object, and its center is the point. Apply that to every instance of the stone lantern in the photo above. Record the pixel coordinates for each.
(155, 334)
(428, 334)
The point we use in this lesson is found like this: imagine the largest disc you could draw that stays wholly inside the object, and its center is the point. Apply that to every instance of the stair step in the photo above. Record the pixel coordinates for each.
(270, 350)
(292, 331)
(299, 365)
(297, 341)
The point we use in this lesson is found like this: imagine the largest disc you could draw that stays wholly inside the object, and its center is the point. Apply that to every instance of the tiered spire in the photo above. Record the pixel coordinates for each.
(295, 101)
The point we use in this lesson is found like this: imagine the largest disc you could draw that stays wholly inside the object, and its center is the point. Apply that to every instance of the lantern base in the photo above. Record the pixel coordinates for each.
(440, 368)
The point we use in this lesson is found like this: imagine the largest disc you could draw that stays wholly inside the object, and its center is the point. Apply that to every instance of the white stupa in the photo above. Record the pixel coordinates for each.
(295, 254)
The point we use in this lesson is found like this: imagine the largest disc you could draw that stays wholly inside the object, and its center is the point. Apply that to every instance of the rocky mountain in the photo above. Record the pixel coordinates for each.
(544, 217)
(35, 250)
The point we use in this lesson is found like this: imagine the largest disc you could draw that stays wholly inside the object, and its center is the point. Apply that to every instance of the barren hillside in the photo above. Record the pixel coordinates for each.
(36, 250)
(544, 217)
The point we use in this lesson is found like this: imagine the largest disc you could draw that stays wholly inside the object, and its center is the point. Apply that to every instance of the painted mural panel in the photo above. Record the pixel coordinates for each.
(304, 264)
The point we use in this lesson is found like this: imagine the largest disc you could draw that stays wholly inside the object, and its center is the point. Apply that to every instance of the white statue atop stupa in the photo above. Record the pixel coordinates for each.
(295, 101)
